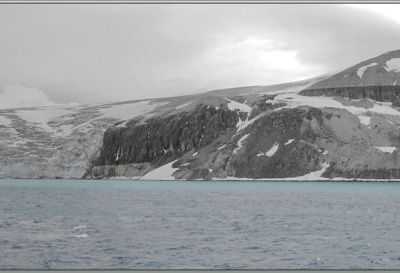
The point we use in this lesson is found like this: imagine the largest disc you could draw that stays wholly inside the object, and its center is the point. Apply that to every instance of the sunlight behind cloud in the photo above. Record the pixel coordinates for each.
(391, 11)
(255, 60)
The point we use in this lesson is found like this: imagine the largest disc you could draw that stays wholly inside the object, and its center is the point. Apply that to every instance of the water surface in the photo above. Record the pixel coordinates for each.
(70, 224)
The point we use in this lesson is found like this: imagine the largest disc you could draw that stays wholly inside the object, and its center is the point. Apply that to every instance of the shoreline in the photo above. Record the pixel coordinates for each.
(230, 179)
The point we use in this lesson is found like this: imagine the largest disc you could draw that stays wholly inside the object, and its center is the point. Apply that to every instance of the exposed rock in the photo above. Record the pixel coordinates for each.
(165, 137)
(378, 93)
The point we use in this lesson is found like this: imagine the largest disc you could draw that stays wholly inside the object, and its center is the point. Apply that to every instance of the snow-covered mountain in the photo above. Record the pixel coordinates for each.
(344, 125)
(382, 70)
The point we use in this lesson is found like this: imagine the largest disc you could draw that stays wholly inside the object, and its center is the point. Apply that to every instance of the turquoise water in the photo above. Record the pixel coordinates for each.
(70, 224)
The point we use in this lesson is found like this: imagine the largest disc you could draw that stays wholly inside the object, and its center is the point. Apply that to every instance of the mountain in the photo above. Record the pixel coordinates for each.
(377, 78)
(341, 126)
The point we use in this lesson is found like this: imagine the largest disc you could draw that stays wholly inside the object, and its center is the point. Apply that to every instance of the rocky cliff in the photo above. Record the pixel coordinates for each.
(273, 141)
(343, 126)
(379, 93)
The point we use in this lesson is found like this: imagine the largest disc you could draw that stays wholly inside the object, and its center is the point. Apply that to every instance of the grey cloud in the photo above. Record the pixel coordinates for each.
(109, 52)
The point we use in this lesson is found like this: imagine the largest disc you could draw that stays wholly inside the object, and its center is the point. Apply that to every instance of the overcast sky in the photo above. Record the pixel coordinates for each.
(89, 53)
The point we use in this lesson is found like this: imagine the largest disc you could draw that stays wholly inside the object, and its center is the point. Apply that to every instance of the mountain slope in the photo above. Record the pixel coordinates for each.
(63, 141)
(382, 70)
(377, 78)
(344, 125)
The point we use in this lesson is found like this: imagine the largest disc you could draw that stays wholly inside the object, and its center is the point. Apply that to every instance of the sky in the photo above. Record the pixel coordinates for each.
(56, 54)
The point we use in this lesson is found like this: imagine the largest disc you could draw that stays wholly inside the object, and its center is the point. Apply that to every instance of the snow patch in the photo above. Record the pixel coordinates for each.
(164, 172)
(183, 105)
(289, 141)
(361, 70)
(42, 116)
(242, 107)
(129, 110)
(365, 120)
(240, 143)
(196, 153)
(389, 149)
(221, 147)
(393, 65)
(240, 125)
(317, 175)
(313, 176)
(290, 89)
(271, 151)
(295, 100)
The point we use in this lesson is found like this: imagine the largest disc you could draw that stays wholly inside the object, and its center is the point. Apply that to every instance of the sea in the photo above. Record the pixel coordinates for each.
(98, 224)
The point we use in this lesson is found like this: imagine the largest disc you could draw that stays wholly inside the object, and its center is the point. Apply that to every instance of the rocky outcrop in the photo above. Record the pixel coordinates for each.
(290, 131)
(278, 143)
(378, 93)
(163, 138)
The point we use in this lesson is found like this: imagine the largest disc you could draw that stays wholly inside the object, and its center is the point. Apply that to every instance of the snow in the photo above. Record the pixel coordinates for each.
(43, 115)
(4, 121)
(240, 125)
(242, 107)
(183, 105)
(325, 152)
(361, 70)
(393, 65)
(289, 141)
(240, 143)
(129, 110)
(164, 172)
(118, 154)
(64, 136)
(221, 147)
(271, 151)
(365, 120)
(291, 89)
(196, 153)
(313, 176)
(389, 149)
(295, 100)
(317, 175)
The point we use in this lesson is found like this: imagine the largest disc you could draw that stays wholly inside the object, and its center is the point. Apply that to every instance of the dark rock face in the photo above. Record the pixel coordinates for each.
(396, 101)
(277, 128)
(165, 137)
(378, 93)
(264, 105)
